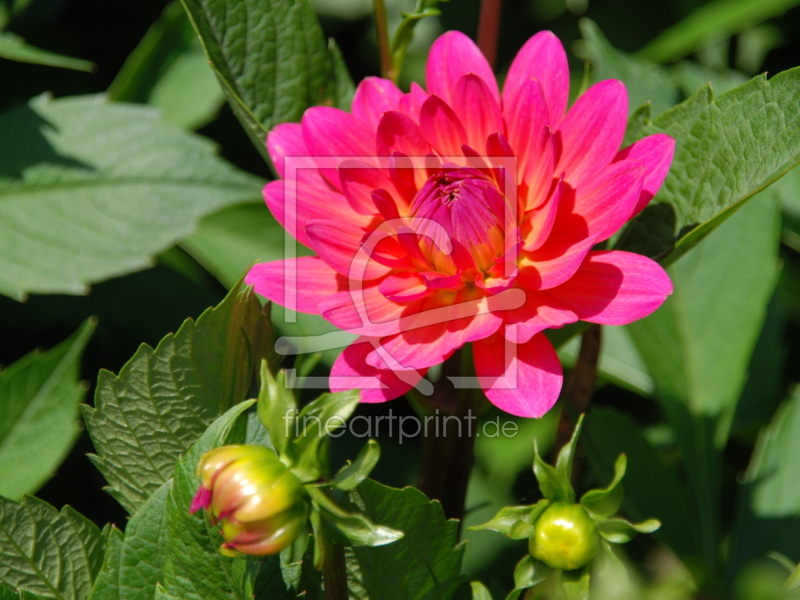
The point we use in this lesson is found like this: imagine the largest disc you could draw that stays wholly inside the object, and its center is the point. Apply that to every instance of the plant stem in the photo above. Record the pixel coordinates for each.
(384, 49)
(489, 29)
(448, 454)
(334, 573)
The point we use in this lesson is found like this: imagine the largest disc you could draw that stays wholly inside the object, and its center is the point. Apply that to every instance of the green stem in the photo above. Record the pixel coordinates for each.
(384, 49)
(489, 29)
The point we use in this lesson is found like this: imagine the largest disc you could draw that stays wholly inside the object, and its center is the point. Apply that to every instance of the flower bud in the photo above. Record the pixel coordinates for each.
(565, 537)
(256, 500)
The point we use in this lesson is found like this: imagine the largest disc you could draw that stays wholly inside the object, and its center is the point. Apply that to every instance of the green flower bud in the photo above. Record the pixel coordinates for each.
(257, 501)
(565, 537)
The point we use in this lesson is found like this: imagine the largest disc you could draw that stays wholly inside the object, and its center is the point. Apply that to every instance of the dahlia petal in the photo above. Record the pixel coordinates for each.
(364, 311)
(555, 262)
(309, 202)
(453, 55)
(358, 180)
(613, 287)
(339, 244)
(404, 287)
(397, 133)
(330, 132)
(479, 109)
(441, 127)
(350, 371)
(417, 348)
(607, 202)
(462, 331)
(520, 379)
(286, 140)
(543, 58)
(411, 103)
(374, 96)
(541, 221)
(589, 137)
(299, 284)
(655, 153)
(539, 312)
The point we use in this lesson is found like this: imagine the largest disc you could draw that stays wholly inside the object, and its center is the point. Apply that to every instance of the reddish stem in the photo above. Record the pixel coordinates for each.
(489, 29)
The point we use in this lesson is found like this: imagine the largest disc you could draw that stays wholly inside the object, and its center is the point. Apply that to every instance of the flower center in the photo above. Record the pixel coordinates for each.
(467, 207)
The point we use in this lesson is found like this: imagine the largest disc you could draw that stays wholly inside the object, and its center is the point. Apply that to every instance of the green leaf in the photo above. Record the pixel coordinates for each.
(351, 529)
(691, 76)
(8, 594)
(728, 149)
(424, 565)
(715, 20)
(530, 572)
(652, 489)
(793, 582)
(193, 567)
(620, 531)
(353, 474)
(169, 70)
(552, 483)
(276, 409)
(46, 552)
(13, 47)
(107, 185)
(517, 522)
(318, 419)
(567, 453)
(39, 398)
(644, 80)
(606, 502)
(163, 399)
(770, 497)
(480, 591)
(576, 584)
(271, 59)
(134, 562)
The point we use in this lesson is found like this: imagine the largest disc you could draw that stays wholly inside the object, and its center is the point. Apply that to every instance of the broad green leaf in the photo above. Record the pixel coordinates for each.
(163, 399)
(169, 70)
(728, 149)
(424, 564)
(793, 582)
(39, 398)
(576, 584)
(652, 489)
(479, 591)
(691, 76)
(134, 562)
(271, 58)
(354, 473)
(530, 572)
(193, 567)
(517, 522)
(620, 531)
(9, 594)
(769, 514)
(107, 185)
(644, 80)
(715, 20)
(13, 47)
(606, 502)
(350, 528)
(46, 552)
(552, 483)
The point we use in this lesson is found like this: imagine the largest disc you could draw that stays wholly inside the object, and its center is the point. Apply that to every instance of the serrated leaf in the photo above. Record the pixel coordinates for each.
(132, 184)
(620, 531)
(163, 399)
(13, 47)
(606, 502)
(39, 398)
(351, 475)
(350, 528)
(553, 485)
(517, 522)
(134, 562)
(530, 572)
(271, 58)
(316, 421)
(644, 80)
(46, 552)
(424, 565)
(193, 567)
(169, 70)
(8, 594)
(566, 455)
(728, 149)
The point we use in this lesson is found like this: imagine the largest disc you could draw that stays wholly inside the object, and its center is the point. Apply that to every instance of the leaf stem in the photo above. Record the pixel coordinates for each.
(334, 573)
(489, 29)
(384, 49)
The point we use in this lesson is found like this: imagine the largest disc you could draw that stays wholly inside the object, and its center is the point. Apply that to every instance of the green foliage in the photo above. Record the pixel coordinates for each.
(169, 70)
(46, 552)
(424, 564)
(163, 399)
(39, 397)
(107, 185)
(606, 502)
(13, 47)
(271, 59)
(354, 473)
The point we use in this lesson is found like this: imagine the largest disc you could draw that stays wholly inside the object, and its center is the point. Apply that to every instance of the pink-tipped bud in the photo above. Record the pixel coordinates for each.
(256, 500)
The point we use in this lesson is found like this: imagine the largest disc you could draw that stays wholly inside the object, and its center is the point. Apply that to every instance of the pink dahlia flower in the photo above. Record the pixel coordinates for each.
(462, 214)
